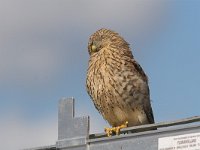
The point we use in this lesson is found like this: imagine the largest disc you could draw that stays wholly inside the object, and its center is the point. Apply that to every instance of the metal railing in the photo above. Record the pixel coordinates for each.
(73, 134)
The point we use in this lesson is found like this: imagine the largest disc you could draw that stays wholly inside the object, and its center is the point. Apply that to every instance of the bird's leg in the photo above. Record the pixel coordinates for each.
(116, 130)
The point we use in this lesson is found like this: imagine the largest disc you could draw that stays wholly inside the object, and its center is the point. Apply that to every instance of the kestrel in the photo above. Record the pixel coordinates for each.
(116, 83)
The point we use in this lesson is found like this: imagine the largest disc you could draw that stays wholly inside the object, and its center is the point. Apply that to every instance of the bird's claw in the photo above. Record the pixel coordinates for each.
(116, 130)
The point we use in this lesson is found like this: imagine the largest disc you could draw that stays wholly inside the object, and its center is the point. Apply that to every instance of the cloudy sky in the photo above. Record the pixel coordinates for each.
(43, 57)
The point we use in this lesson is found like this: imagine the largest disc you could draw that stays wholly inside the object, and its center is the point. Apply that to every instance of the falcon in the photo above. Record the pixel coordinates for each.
(116, 83)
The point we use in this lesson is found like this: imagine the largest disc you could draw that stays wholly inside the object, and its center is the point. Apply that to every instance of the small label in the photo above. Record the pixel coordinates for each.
(180, 142)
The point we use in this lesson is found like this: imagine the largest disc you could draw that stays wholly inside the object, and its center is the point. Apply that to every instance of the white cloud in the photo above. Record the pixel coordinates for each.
(33, 32)
(17, 133)
(50, 14)
(27, 64)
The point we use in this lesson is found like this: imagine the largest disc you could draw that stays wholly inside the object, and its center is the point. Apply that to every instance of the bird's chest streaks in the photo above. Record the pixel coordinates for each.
(113, 83)
(96, 82)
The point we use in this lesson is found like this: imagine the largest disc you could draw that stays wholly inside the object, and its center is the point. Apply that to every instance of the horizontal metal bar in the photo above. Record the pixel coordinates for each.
(147, 127)
(50, 147)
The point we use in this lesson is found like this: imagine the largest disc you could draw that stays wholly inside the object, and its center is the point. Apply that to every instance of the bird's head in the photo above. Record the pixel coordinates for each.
(103, 38)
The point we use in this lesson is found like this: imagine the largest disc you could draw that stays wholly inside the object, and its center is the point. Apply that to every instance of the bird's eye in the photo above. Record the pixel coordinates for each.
(93, 48)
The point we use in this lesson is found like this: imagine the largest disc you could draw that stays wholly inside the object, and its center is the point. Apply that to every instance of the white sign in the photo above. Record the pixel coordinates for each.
(180, 142)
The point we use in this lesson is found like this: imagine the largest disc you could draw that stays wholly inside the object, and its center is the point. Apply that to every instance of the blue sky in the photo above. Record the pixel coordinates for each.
(43, 57)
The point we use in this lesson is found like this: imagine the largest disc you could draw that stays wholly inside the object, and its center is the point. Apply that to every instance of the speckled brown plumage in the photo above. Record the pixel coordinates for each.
(115, 81)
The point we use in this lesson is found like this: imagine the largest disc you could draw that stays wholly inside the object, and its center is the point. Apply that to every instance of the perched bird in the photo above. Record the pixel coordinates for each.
(116, 82)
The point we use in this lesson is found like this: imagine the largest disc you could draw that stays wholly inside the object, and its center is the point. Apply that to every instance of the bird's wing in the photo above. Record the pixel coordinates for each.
(147, 104)
(149, 112)
(140, 71)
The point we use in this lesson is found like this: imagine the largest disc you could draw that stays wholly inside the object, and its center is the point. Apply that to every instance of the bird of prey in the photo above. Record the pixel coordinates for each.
(116, 83)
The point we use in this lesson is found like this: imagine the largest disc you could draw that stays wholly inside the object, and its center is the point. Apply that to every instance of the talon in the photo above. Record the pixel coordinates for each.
(109, 131)
(117, 131)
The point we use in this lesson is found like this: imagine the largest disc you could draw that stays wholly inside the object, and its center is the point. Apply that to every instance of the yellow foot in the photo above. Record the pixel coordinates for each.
(116, 130)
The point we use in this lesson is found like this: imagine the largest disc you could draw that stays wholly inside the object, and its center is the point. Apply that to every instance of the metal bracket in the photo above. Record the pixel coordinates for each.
(72, 131)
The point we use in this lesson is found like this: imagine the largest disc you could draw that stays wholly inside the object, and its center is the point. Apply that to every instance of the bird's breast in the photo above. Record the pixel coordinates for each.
(114, 78)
